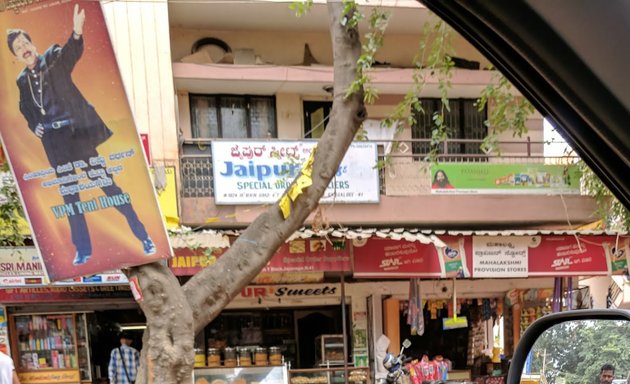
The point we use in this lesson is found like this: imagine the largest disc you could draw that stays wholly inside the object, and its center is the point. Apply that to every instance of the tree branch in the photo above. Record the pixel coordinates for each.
(214, 287)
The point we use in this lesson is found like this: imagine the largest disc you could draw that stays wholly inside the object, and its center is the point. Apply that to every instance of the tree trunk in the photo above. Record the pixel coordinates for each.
(167, 354)
(174, 313)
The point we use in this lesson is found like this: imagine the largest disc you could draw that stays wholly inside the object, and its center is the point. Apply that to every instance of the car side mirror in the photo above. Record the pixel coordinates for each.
(583, 346)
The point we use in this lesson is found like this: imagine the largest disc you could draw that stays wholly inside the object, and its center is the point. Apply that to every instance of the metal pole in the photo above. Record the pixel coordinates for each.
(343, 327)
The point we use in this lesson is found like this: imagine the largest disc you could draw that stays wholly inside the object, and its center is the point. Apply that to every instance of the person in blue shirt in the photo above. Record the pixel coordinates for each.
(123, 362)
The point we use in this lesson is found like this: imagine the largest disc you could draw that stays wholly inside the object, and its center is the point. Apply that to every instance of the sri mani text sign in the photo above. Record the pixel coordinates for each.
(257, 172)
(70, 137)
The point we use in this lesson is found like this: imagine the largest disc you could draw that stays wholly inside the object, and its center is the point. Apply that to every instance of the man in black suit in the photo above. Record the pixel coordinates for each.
(69, 128)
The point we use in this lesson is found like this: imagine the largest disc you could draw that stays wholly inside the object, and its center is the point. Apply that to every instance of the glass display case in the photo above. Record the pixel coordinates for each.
(329, 350)
(51, 347)
(242, 375)
(329, 375)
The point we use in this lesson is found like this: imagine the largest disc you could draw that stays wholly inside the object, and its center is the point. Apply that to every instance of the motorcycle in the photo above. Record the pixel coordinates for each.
(395, 365)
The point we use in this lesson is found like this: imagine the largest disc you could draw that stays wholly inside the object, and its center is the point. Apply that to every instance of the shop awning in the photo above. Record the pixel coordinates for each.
(219, 238)
(411, 252)
(497, 254)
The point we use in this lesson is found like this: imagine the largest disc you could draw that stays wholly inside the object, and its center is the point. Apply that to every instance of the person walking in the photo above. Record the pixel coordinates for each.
(606, 374)
(123, 362)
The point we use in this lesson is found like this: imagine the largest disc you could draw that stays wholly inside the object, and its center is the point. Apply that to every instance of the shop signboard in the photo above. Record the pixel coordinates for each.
(296, 256)
(19, 262)
(258, 172)
(500, 256)
(288, 278)
(72, 144)
(479, 178)
(287, 295)
(22, 266)
(406, 259)
(56, 294)
(48, 376)
(550, 255)
(569, 256)
(494, 257)
(311, 255)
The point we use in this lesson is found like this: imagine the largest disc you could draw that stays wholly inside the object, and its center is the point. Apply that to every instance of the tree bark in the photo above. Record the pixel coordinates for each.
(167, 354)
(174, 313)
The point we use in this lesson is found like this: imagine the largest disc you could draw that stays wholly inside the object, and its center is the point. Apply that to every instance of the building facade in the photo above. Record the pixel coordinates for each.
(204, 77)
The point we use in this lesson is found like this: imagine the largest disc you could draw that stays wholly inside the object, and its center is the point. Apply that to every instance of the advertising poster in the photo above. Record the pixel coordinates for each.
(70, 138)
(397, 258)
(618, 255)
(257, 172)
(472, 178)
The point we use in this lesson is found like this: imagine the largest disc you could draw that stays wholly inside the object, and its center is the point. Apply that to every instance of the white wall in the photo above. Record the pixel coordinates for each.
(598, 287)
(139, 31)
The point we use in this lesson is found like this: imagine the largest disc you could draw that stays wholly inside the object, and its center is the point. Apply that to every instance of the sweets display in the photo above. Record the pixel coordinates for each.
(239, 357)
(260, 357)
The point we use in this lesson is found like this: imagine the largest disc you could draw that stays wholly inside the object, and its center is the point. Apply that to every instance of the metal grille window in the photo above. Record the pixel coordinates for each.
(464, 121)
(232, 117)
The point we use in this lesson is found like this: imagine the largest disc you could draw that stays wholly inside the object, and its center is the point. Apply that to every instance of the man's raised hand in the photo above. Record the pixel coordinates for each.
(39, 130)
(79, 19)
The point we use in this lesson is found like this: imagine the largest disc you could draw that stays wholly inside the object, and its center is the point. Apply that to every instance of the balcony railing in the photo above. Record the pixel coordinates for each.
(196, 158)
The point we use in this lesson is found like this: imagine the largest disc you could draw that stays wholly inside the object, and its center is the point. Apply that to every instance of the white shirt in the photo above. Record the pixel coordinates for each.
(6, 369)
(380, 350)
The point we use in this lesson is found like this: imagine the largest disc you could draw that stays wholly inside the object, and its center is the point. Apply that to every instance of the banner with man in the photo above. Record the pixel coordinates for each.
(70, 138)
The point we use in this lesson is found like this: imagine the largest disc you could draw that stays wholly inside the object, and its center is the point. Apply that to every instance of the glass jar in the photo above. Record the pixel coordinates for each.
(229, 357)
(200, 358)
(244, 357)
(260, 356)
(214, 357)
(275, 356)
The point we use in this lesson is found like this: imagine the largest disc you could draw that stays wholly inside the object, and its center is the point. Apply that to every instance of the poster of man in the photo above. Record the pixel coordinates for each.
(71, 141)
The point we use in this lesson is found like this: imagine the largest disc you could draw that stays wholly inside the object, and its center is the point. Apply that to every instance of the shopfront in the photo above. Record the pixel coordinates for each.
(316, 310)
(63, 334)
(499, 283)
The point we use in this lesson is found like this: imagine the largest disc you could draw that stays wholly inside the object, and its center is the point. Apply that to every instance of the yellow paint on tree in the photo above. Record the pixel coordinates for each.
(303, 181)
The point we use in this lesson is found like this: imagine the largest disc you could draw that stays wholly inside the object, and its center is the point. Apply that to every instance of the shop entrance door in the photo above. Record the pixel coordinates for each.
(310, 324)
(104, 336)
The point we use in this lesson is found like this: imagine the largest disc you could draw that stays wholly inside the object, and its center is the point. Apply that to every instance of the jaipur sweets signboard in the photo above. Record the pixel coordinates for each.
(257, 172)
(70, 138)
